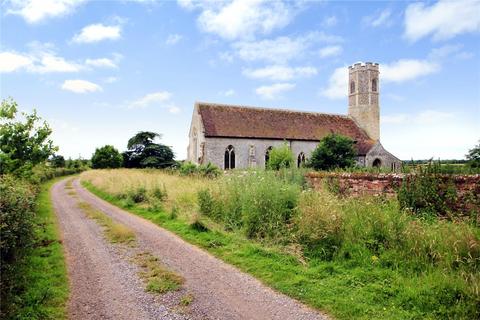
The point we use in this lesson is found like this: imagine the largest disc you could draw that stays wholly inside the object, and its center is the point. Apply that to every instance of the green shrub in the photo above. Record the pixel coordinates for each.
(17, 211)
(280, 157)
(427, 193)
(159, 193)
(188, 168)
(333, 151)
(209, 170)
(106, 157)
(138, 195)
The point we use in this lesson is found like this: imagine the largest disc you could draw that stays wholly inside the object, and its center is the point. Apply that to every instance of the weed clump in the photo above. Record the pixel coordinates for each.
(138, 195)
(158, 278)
(260, 204)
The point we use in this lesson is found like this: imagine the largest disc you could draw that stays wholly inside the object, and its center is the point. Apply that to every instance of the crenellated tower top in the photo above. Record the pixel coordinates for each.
(363, 97)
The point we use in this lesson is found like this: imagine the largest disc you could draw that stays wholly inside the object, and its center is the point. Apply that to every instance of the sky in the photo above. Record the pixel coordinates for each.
(100, 71)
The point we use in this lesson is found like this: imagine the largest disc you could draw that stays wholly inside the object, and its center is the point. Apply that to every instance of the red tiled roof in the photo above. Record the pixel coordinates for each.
(247, 122)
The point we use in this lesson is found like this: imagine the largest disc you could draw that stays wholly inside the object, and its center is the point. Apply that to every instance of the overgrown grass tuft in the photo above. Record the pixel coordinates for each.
(115, 232)
(157, 277)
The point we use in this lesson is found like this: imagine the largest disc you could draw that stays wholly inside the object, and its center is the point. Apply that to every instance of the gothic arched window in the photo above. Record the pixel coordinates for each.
(267, 155)
(301, 160)
(229, 158)
(377, 163)
(374, 85)
(352, 86)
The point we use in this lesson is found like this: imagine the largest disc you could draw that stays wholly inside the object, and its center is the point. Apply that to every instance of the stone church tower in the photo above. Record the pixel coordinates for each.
(363, 97)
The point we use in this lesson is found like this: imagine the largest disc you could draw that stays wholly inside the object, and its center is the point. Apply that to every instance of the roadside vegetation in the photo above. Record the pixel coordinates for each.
(351, 257)
(33, 276)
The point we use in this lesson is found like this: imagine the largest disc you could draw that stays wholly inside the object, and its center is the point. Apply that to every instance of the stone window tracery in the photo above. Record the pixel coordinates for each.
(374, 85)
(229, 158)
(301, 160)
(352, 86)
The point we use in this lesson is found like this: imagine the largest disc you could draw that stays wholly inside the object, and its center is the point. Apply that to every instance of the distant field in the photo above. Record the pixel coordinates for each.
(352, 258)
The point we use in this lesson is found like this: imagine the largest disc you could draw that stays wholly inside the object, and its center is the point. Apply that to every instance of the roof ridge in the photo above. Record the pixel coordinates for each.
(269, 109)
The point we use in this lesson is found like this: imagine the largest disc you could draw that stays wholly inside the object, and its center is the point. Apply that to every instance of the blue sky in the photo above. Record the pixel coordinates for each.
(99, 71)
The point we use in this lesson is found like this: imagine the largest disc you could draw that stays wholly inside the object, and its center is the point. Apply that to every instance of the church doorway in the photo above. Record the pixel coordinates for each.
(377, 163)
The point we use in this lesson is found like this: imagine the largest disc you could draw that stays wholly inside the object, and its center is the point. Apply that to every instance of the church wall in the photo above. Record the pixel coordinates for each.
(196, 139)
(250, 153)
(244, 157)
(388, 160)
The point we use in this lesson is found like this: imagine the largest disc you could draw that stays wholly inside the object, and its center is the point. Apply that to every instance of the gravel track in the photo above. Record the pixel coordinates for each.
(103, 286)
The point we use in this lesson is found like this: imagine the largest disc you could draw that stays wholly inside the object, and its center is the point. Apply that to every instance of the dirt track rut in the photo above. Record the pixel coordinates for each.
(104, 284)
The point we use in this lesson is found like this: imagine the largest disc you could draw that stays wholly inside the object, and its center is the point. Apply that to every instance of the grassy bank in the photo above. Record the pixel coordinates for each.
(41, 278)
(359, 258)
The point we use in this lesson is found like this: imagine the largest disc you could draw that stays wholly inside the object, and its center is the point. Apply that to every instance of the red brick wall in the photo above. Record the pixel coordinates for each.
(357, 184)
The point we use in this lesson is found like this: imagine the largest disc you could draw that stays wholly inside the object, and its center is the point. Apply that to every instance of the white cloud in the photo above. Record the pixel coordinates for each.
(330, 21)
(36, 62)
(97, 32)
(425, 117)
(397, 71)
(227, 93)
(280, 73)
(174, 109)
(381, 19)
(11, 61)
(173, 39)
(159, 97)
(242, 19)
(273, 91)
(442, 20)
(52, 63)
(394, 119)
(111, 80)
(101, 63)
(429, 133)
(34, 11)
(330, 51)
(407, 69)
(80, 86)
(281, 49)
(337, 84)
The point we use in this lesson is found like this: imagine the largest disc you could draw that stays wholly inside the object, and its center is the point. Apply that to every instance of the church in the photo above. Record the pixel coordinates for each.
(231, 136)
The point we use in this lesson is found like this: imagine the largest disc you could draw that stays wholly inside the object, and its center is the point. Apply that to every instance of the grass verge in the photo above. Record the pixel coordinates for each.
(45, 273)
(343, 288)
(115, 232)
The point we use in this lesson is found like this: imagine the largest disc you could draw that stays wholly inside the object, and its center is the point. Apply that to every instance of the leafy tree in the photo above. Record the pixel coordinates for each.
(57, 161)
(23, 144)
(473, 156)
(106, 157)
(280, 157)
(143, 152)
(333, 151)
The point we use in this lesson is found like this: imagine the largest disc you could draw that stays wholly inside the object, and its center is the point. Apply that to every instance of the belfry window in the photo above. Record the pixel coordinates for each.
(301, 160)
(374, 85)
(229, 158)
(352, 87)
